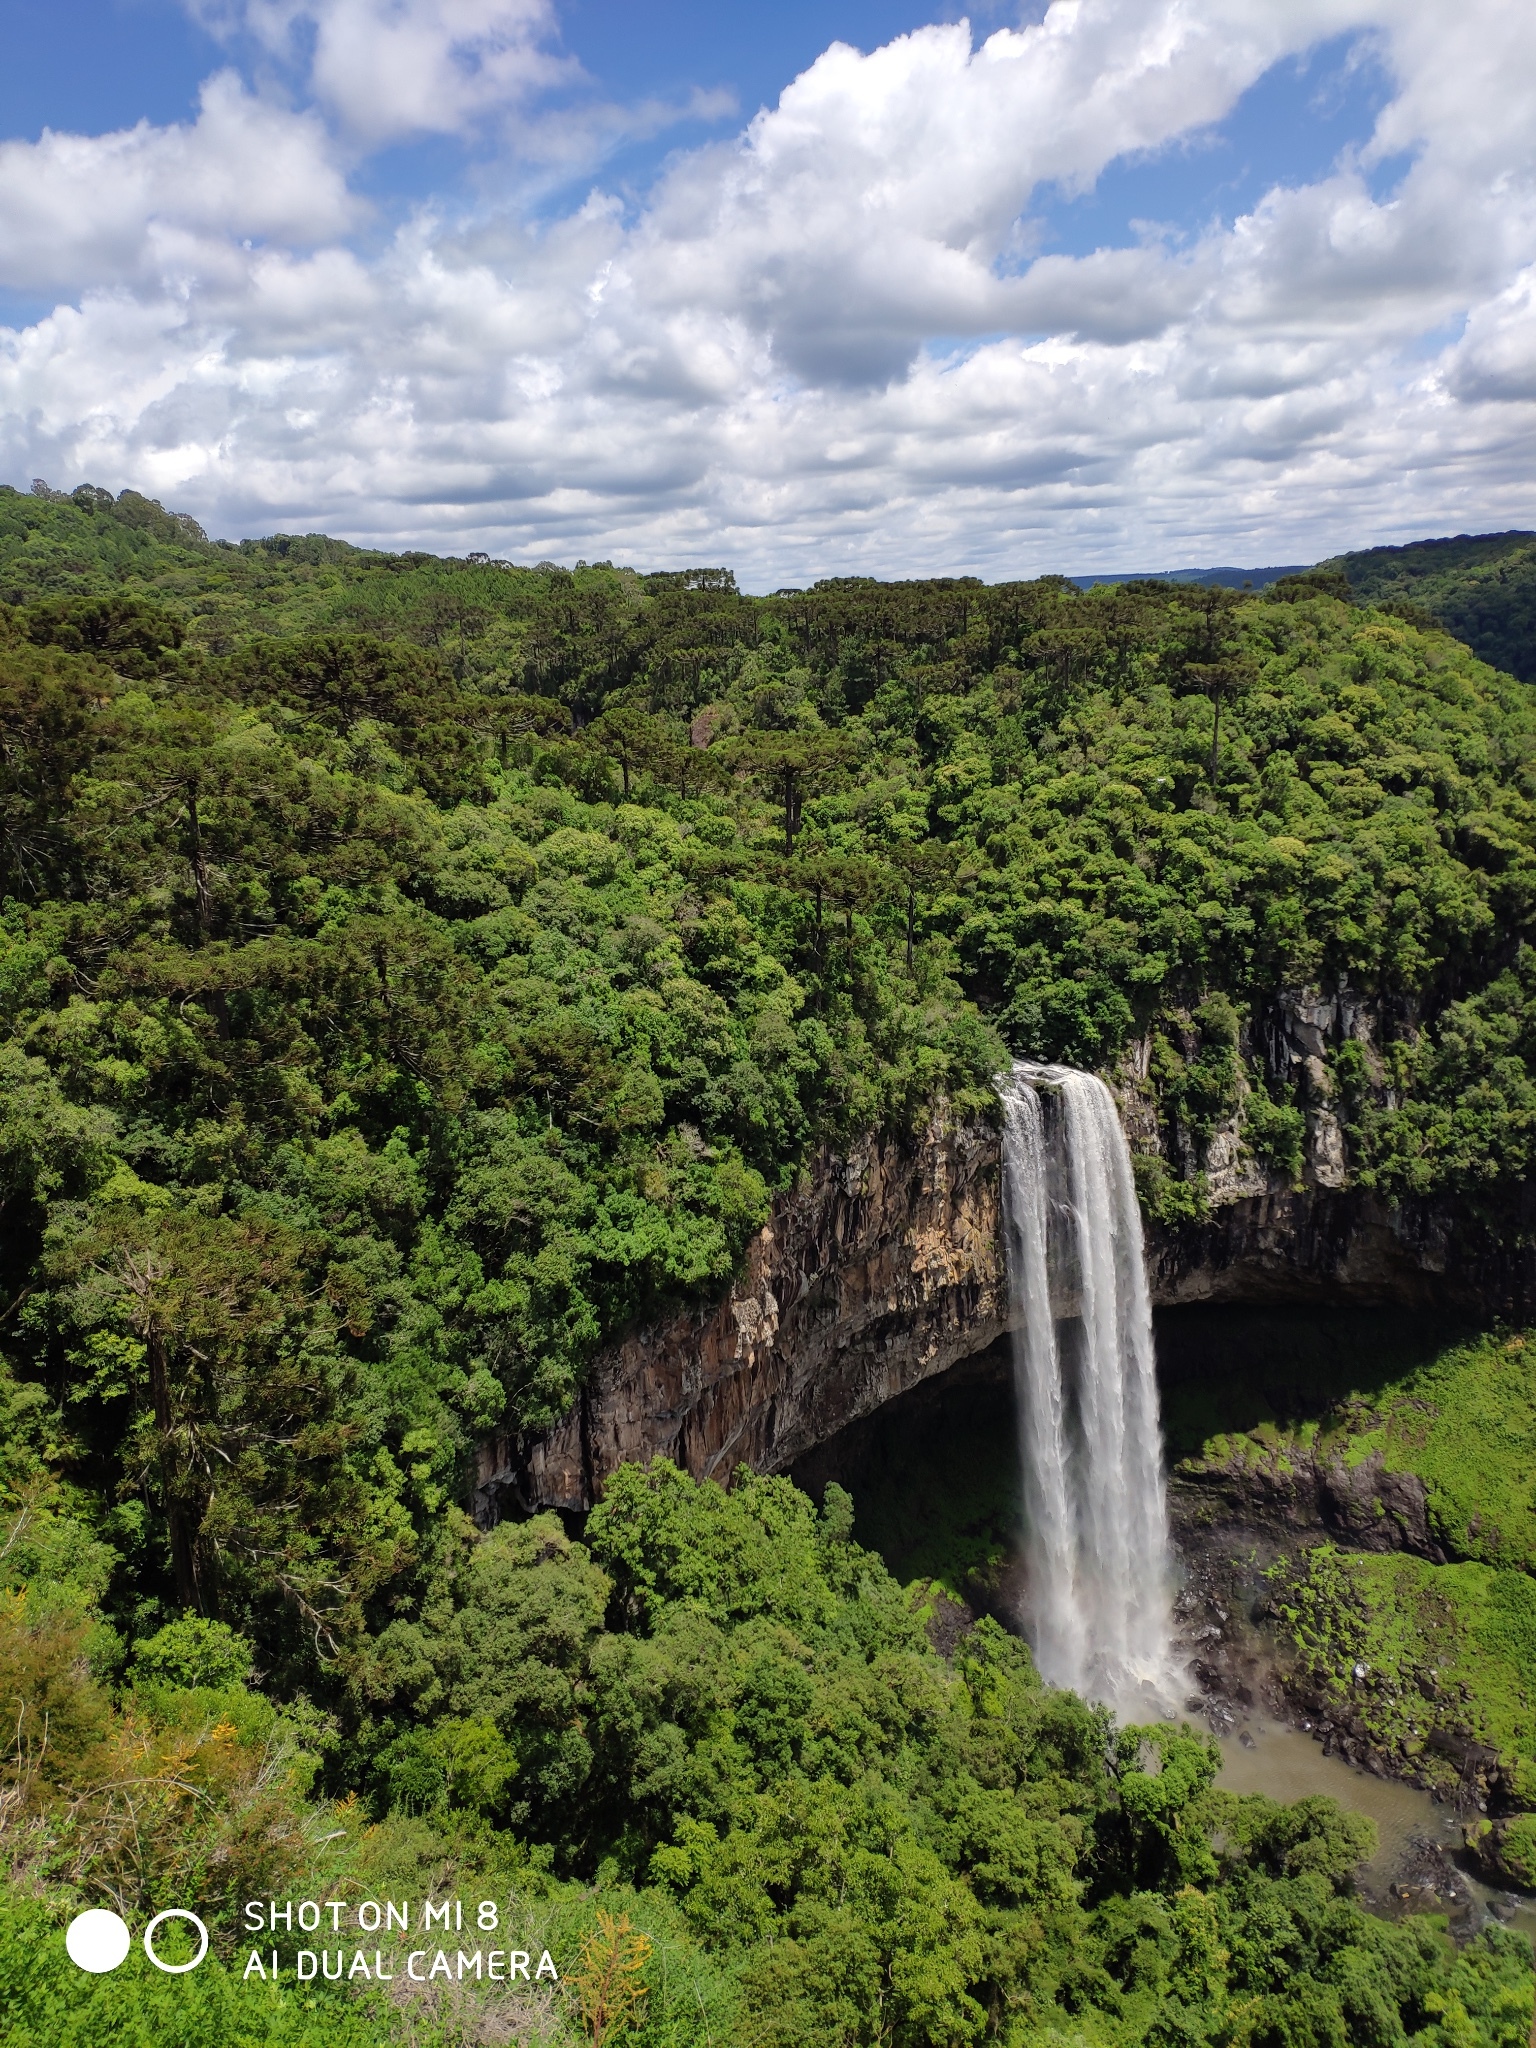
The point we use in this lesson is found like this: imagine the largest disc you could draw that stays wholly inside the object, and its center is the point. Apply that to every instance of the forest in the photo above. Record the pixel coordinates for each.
(1480, 587)
(414, 973)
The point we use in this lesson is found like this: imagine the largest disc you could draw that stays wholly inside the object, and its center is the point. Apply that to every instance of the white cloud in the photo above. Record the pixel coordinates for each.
(1496, 358)
(392, 68)
(90, 210)
(815, 347)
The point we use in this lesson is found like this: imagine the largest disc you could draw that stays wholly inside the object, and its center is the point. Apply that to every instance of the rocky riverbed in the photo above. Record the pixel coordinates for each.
(1246, 1679)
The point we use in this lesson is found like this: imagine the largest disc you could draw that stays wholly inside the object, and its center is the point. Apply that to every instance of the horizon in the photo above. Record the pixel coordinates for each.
(1257, 576)
(872, 284)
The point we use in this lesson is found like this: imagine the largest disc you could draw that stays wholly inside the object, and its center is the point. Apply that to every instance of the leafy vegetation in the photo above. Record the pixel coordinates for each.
(45, 2002)
(414, 972)
(1413, 1650)
(1482, 588)
(371, 1059)
(803, 1823)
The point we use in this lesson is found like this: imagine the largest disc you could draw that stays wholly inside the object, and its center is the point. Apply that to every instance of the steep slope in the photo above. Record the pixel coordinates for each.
(1481, 587)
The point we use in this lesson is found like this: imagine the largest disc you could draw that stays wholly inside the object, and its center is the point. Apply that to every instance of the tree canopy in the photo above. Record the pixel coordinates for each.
(415, 972)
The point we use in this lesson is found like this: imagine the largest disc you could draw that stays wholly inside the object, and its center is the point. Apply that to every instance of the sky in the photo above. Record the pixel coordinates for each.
(864, 286)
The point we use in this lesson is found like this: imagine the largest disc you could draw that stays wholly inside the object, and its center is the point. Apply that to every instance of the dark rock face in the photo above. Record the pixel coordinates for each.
(1347, 1245)
(1290, 1490)
(885, 1268)
(881, 1272)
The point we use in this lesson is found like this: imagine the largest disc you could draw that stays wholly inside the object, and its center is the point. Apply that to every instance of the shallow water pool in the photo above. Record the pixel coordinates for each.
(1283, 1763)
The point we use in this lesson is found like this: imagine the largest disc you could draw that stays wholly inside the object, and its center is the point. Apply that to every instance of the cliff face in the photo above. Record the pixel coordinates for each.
(1269, 1236)
(882, 1271)
(885, 1269)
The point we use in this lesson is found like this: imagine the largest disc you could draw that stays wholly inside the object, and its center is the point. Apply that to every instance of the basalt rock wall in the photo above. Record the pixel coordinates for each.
(1346, 1245)
(884, 1269)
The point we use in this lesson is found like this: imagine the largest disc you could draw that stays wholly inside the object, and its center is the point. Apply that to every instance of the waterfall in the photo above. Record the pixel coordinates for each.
(1098, 1608)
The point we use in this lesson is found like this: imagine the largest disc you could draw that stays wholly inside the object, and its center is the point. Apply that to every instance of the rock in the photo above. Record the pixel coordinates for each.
(1502, 1849)
(884, 1269)
(1373, 1509)
(1288, 1488)
(881, 1272)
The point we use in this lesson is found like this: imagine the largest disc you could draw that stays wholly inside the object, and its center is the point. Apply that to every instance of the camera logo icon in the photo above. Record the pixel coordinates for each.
(98, 1940)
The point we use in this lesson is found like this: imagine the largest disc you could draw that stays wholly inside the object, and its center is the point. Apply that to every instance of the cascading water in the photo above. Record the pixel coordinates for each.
(1097, 1553)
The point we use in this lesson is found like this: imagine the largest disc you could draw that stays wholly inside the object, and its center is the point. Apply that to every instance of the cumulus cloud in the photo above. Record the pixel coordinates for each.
(1496, 357)
(89, 210)
(393, 68)
(815, 347)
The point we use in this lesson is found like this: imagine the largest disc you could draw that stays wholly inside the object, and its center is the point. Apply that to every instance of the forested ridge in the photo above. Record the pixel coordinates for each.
(1481, 587)
(415, 972)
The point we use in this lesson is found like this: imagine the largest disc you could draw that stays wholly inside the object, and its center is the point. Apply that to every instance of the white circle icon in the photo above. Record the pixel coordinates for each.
(175, 1913)
(98, 1940)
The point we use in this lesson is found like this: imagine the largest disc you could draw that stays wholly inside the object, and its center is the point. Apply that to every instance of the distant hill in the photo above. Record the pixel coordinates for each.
(56, 545)
(1229, 579)
(1481, 587)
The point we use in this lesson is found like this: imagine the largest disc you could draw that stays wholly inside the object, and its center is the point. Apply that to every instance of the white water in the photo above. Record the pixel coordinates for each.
(1098, 1601)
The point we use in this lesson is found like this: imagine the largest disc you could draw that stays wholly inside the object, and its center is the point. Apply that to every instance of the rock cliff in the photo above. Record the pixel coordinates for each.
(884, 1269)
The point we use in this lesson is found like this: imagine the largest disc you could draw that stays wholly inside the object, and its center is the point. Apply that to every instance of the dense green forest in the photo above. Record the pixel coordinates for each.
(1480, 587)
(413, 972)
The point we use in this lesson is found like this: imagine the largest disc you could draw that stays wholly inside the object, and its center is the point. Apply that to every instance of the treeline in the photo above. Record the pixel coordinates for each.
(1481, 587)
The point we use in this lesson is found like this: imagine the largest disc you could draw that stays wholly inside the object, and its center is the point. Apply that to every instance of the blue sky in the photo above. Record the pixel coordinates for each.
(1112, 284)
(122, 61)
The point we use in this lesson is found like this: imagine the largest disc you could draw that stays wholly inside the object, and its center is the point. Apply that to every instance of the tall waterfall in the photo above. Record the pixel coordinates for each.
(1097, 1555)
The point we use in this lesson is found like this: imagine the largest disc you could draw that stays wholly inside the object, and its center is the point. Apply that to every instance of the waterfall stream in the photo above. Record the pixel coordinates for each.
(1097, 1551)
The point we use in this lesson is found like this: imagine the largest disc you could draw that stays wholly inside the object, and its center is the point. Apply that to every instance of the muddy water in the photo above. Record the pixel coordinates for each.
(1413, 1870)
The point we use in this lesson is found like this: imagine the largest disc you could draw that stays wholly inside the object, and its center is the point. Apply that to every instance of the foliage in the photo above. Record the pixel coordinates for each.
(722, 1694)
(45, 2002)
(1424, 1658)
(1463, 1420)
(1482, 589)
(609, 1981)
(721, 1697)
(1467, 1425)
(415, 972)
(192, 1652)
(1415, 1651)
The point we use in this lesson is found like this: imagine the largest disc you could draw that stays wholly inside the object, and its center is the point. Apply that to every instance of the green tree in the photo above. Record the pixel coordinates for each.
(793, 764)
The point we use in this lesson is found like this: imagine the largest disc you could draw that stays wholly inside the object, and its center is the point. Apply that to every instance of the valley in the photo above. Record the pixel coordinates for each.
(507, 1335)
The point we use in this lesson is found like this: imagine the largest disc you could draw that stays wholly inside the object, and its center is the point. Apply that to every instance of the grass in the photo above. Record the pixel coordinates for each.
(1420, 1658)
(1463, 1419)
(1226, 1369)
(1411, 1649)
(1467, 1425)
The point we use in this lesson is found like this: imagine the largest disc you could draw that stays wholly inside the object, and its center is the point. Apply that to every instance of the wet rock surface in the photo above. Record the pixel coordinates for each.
(1221, 1613)
(1244, 1686)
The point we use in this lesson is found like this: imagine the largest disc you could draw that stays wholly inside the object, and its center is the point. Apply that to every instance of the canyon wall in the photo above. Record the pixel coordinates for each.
(884, 1268)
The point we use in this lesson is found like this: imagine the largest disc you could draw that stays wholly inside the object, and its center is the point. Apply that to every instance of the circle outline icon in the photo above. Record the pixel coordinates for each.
(175, 1913)
(101, 1934)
